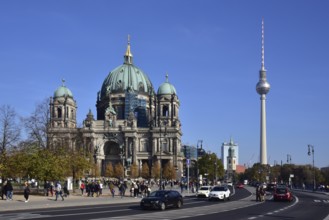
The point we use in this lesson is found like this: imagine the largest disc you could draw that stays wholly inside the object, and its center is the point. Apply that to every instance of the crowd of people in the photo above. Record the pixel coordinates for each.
(138, 188)
(7, 190)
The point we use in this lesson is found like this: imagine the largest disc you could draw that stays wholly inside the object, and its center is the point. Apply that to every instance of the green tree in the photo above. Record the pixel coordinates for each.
(210, 166)
(134, 171)
(77, 162)
(118, 170)
(169, 172)
(109, 171)
(145, 171)
(156, 170)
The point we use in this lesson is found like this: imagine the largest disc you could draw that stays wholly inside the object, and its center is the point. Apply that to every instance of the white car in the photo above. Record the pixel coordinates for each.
(219, 192)
(204, 191)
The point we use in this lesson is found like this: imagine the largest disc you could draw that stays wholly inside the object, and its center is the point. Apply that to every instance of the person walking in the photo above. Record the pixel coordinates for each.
(46, 187)
(82, 187)
(100, 190)
(121, 189)
(26, 192)
(111, 187)
(59, 191)
(51, 189)
(9, 189)
(4, 190)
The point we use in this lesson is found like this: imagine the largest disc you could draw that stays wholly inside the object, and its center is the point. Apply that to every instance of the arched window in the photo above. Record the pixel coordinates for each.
(59, 112)
(165, 111)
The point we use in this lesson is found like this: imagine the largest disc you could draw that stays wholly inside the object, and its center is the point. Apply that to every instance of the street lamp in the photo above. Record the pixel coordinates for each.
(122, 156)
(311, 151)
(215, 182)
(95, 157)
(165, 134)
(288, 158)
(197, 163)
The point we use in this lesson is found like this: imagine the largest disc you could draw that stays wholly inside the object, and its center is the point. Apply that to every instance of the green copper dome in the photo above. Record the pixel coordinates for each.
(63, 91)
(166, 88)
(127, 77)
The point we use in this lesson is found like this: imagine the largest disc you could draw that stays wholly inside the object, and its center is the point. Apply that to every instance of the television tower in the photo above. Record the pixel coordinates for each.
(262, 88)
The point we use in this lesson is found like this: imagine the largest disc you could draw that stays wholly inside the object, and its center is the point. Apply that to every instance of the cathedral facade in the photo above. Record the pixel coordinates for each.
(134, 124)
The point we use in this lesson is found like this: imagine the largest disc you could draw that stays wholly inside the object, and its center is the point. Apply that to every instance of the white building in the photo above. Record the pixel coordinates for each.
(225, 152)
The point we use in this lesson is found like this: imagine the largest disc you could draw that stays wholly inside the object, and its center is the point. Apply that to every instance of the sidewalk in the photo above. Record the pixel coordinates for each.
(37, 202)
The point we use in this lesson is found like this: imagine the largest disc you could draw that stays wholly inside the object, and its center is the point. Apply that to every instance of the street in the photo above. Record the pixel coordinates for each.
(241, 206)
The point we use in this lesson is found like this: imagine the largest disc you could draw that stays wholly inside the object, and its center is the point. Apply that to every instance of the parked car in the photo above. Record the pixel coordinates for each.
(162, 199)
(239, 186)
(229, 183)
(219, 192)
(204, 191)
(270, 187)
(282, 193)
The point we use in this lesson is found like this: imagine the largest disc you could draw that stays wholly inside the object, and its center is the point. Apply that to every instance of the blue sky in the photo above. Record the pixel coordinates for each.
(210, 49)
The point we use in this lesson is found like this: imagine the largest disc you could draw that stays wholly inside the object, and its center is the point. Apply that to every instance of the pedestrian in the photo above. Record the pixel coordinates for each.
(59, 191)
(46, 188)
(100, 188)
(181, 187)
(111, 187)
(262, 194)
(65, 190)
(51, 189)
(82, 187)
(9, 189)
(257, 193)
(4, 190)
(26, 192)
(121, 189)
(136, 189)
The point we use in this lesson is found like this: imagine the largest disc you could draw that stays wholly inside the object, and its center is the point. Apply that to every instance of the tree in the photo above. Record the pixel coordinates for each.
(118, 170)
(169, 171)
(156, 170)
(36, 125)
(77, 162)
(212, 166)
(9, 135)
(134, 171)
(109, 171)
(145, 171)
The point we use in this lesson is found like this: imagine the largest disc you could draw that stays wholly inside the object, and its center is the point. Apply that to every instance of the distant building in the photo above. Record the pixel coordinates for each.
(225, 152)
(231, 160)
(240, 169)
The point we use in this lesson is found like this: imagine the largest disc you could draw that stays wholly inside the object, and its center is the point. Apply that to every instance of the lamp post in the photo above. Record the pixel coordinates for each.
(311, 151)
(288, 158)
(215, 182)
(197, 163)
(95, 157)
(165, 134)
(122, 156)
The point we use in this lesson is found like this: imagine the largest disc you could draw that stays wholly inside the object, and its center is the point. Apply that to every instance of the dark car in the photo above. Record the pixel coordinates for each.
(162, 199)
(270, 187)
(282, 193)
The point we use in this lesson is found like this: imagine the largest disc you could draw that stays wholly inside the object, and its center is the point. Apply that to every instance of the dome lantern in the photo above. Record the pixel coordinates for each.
(166, 88)
(63, 91)
(128, 57)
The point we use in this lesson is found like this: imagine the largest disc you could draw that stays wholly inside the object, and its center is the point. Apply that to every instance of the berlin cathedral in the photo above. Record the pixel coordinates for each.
(134, 125)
